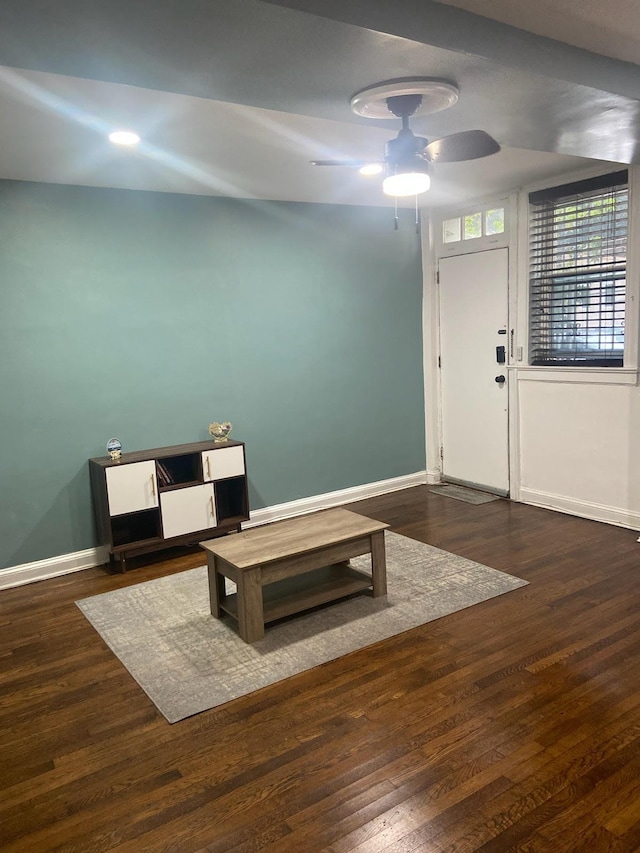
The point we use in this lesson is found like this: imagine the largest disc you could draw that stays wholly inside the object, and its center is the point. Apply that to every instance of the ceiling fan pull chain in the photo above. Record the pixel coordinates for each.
(395, 226)
(417, 218)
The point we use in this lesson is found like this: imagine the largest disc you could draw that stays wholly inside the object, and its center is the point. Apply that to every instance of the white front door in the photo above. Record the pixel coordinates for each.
(474, 294)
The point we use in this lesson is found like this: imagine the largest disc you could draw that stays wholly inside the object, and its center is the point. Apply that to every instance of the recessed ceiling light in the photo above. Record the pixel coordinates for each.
(124, 137)
(370, 169)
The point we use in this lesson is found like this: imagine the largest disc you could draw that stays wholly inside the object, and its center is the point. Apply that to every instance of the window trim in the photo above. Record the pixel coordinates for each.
(627, 375)
(578, 375)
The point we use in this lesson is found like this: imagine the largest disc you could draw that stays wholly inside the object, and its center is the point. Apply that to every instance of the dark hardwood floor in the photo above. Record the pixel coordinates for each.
(513, 725)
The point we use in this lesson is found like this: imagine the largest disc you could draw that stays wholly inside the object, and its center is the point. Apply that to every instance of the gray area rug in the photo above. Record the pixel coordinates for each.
(188, 661)
(462, 493)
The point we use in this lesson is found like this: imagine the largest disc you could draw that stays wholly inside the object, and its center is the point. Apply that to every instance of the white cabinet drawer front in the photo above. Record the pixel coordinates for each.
(187, 510)
(132, 487)
(224, 462)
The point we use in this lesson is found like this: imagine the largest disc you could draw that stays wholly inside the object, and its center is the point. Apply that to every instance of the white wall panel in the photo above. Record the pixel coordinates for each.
(581, 443)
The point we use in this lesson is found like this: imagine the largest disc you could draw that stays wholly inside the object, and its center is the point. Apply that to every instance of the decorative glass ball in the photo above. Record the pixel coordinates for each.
(220, 431)
(114, 447)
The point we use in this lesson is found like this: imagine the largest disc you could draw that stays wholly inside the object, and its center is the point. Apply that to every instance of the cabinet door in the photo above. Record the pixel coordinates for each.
(187, 510)
(223, 462)
(131, 488)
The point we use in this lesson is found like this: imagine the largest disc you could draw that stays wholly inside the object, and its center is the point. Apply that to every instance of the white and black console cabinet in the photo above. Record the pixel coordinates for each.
(153, 499)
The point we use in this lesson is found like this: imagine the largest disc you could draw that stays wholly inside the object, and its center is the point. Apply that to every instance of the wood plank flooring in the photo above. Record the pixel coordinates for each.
(513, 725)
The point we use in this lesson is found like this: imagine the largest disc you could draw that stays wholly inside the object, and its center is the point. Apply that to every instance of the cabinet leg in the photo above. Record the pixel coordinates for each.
(123, 562)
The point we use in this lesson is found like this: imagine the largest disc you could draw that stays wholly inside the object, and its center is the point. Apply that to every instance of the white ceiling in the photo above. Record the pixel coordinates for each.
(236, 99)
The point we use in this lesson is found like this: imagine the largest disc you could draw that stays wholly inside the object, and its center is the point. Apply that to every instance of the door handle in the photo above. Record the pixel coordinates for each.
(501, 379)
(501, 355)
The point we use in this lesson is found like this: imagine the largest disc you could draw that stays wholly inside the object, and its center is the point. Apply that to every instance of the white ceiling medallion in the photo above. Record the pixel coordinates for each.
(436, 95)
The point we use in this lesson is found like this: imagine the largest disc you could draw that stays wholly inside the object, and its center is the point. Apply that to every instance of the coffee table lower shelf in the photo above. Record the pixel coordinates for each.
(303, 592)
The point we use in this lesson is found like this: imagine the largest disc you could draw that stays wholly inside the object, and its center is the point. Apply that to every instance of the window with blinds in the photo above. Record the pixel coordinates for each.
(578, 262)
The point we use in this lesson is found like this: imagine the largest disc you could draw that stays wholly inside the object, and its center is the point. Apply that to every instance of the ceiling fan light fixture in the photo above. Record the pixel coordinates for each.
(408, 178)
(406, 183)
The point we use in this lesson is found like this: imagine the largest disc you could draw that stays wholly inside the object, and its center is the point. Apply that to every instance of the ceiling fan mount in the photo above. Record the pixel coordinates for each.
(404, 106)
(408, 156)
(406, 145)
(426, 94)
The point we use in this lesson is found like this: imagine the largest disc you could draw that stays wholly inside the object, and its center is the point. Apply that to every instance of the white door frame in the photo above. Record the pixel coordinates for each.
(433, 249)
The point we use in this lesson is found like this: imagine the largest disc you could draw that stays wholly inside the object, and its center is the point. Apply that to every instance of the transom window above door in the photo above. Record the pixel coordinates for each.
(474, 225)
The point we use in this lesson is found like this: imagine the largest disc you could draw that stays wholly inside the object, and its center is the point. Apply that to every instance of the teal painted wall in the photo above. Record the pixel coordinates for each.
(148, 315)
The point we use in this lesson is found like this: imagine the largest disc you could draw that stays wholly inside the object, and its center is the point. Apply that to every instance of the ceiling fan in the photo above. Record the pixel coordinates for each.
(408, 158)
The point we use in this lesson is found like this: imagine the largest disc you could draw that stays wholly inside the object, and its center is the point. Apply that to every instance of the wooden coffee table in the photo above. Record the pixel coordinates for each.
(290, 566)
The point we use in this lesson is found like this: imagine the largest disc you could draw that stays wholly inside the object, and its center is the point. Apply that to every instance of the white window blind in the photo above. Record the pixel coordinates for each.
(577, 280)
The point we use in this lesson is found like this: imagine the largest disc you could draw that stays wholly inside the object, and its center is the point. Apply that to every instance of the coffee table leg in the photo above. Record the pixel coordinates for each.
(378, 564)
(217, 588)
(250, 610)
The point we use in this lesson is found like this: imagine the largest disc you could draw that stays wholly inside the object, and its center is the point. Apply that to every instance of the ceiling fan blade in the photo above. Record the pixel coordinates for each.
(467, 145)
(353, 164)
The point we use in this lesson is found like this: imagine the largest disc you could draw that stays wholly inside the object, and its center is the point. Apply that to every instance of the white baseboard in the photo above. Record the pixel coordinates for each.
(344, 496)
(76, 562)
(584, 509)
(53, 567)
